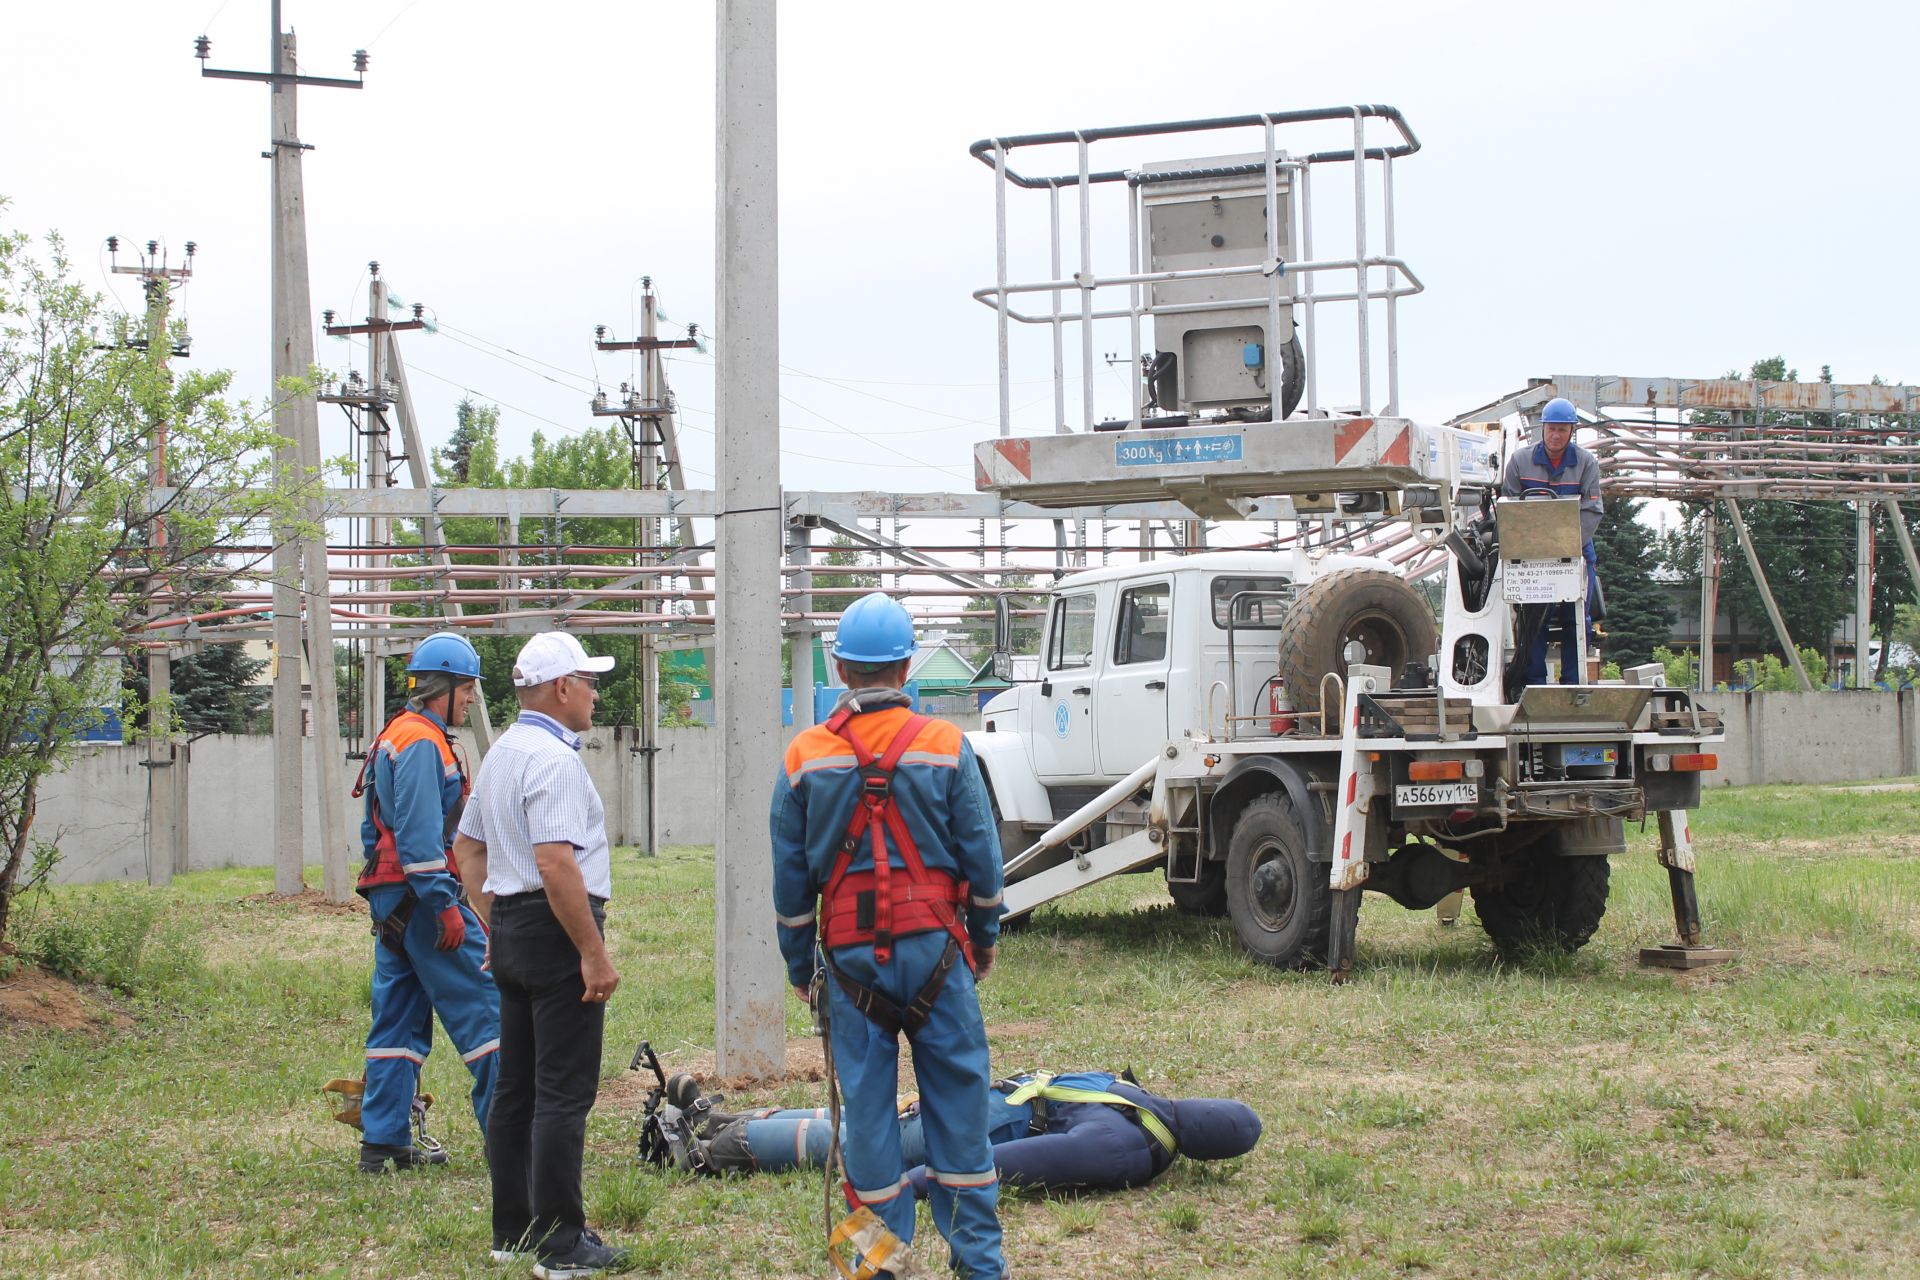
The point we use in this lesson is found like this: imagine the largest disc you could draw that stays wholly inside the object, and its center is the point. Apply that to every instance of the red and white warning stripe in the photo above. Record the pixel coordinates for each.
(1002, 462)
(1371, 441)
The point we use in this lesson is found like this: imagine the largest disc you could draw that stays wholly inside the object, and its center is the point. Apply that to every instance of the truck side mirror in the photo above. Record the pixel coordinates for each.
(1002, 639)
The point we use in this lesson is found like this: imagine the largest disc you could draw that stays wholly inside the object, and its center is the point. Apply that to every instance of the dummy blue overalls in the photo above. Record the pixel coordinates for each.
(1044, 1144)
(887, 933)
(415, 789)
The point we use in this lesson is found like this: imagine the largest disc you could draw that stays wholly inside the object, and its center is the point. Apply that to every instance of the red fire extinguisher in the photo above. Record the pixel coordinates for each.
(1280, 707)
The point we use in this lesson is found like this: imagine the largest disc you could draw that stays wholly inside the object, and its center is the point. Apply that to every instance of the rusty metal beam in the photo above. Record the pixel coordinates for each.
(1766, 595)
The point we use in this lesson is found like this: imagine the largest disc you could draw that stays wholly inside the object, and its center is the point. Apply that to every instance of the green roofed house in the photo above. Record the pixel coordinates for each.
(939, 670)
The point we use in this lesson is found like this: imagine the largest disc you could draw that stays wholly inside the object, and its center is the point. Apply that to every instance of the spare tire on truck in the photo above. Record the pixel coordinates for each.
(1392, 622)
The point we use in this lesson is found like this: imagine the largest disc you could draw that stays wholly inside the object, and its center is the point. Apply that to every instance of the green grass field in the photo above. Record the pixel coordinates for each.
(1441, 1116)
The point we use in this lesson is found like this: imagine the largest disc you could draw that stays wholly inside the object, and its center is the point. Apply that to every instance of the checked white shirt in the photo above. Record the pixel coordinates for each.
(533, 789)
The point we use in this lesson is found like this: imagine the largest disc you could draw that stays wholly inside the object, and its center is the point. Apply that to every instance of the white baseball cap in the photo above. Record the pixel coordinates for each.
(550, 655)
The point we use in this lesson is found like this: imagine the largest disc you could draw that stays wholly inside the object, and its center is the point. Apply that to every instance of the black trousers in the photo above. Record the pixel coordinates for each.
(549, 1074)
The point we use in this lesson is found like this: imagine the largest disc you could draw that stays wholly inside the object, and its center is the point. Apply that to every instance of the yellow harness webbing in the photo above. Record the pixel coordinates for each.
(1042, 1086)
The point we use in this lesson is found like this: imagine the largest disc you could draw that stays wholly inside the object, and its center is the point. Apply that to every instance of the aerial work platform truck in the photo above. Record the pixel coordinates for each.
(1281, 730)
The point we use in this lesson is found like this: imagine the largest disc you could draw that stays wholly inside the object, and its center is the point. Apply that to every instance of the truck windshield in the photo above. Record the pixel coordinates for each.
(1070, 641)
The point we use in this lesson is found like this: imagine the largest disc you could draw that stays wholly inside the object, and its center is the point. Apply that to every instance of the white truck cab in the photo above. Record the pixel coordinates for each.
(1130, 657)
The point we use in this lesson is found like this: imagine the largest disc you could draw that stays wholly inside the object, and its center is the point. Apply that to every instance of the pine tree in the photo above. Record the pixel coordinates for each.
(214, 691)
(1639, 615)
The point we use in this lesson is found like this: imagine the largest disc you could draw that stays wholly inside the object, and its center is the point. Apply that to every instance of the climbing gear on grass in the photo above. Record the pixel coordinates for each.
(346, 1102)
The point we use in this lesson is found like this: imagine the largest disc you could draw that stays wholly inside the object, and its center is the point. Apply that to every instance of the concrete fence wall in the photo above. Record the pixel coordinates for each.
(96, 810)
(1817, 737)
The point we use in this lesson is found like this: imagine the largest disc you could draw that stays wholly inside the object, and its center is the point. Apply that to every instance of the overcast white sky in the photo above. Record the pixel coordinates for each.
(1672, 188)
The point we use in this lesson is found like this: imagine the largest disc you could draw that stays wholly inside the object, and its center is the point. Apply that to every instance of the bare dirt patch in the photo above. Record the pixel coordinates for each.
(312, 900)
(1009, 1030)
(41, 999)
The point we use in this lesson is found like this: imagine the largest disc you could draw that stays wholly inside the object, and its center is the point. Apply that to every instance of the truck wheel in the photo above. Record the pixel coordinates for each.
(1552, 902)
(1206, 896)
(1391, 620)
(1280, 901)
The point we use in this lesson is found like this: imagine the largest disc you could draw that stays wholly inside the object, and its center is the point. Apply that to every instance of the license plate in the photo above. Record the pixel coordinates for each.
(1453, 793)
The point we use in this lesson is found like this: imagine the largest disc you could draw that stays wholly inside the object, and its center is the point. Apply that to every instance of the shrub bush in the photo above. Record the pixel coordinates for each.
(117, 937)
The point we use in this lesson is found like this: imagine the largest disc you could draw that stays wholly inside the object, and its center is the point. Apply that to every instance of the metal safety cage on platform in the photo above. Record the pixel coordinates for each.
(1227, 290)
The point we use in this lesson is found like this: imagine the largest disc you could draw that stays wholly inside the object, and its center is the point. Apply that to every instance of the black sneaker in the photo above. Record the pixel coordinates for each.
(588, 1257)
(374, 1157)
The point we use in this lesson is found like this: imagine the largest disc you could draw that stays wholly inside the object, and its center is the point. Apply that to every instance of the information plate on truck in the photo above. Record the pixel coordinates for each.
(1181, 449)
(1453, 793)
(1544, 581)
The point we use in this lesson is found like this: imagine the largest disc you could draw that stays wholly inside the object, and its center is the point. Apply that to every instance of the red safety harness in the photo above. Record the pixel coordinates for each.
(875, 907)
(382, 866)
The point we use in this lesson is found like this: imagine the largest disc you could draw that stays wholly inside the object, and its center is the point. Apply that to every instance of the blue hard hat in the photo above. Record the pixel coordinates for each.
(446, 651)
(1559, 409)
(875, 628)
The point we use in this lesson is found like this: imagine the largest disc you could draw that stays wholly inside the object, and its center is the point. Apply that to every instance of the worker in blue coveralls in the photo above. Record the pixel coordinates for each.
(1562, 468)
(1084, 1131)
(431, 949)
(880, 815)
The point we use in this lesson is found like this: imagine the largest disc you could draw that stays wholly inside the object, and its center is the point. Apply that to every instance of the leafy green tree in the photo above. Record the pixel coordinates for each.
(977, 636)
(1639, 615)
(1683, 668)
(600, 458)
(834, 592)
(81, 570)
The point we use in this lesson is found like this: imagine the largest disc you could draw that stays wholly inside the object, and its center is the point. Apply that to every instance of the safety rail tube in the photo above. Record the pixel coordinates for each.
(991, 295)
(1407, 145)
(1083, 817)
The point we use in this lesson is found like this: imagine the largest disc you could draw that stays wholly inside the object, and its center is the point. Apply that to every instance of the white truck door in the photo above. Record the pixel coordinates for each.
(1130, 700)
(1062, 724)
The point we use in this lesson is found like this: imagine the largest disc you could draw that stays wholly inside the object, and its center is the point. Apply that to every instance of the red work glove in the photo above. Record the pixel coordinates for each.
(453, 928)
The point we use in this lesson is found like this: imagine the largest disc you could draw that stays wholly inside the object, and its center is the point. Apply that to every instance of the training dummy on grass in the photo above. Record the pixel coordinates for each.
(1082, 1131)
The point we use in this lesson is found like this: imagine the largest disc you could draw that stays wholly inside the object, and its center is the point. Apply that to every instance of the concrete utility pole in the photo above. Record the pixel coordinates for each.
(647, 416)
(366, 405)
(166, 807)
(432, 534)
(1709, 590)
(296, 419)
(1862, 590)
(1766, 596)
(749, 980)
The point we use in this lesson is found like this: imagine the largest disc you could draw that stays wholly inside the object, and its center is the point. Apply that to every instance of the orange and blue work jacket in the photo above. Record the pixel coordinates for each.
(938, 790)
(415, 789)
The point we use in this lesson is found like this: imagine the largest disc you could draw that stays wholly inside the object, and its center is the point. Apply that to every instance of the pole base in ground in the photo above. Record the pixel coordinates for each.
(1677, 955)
(1340, 937)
